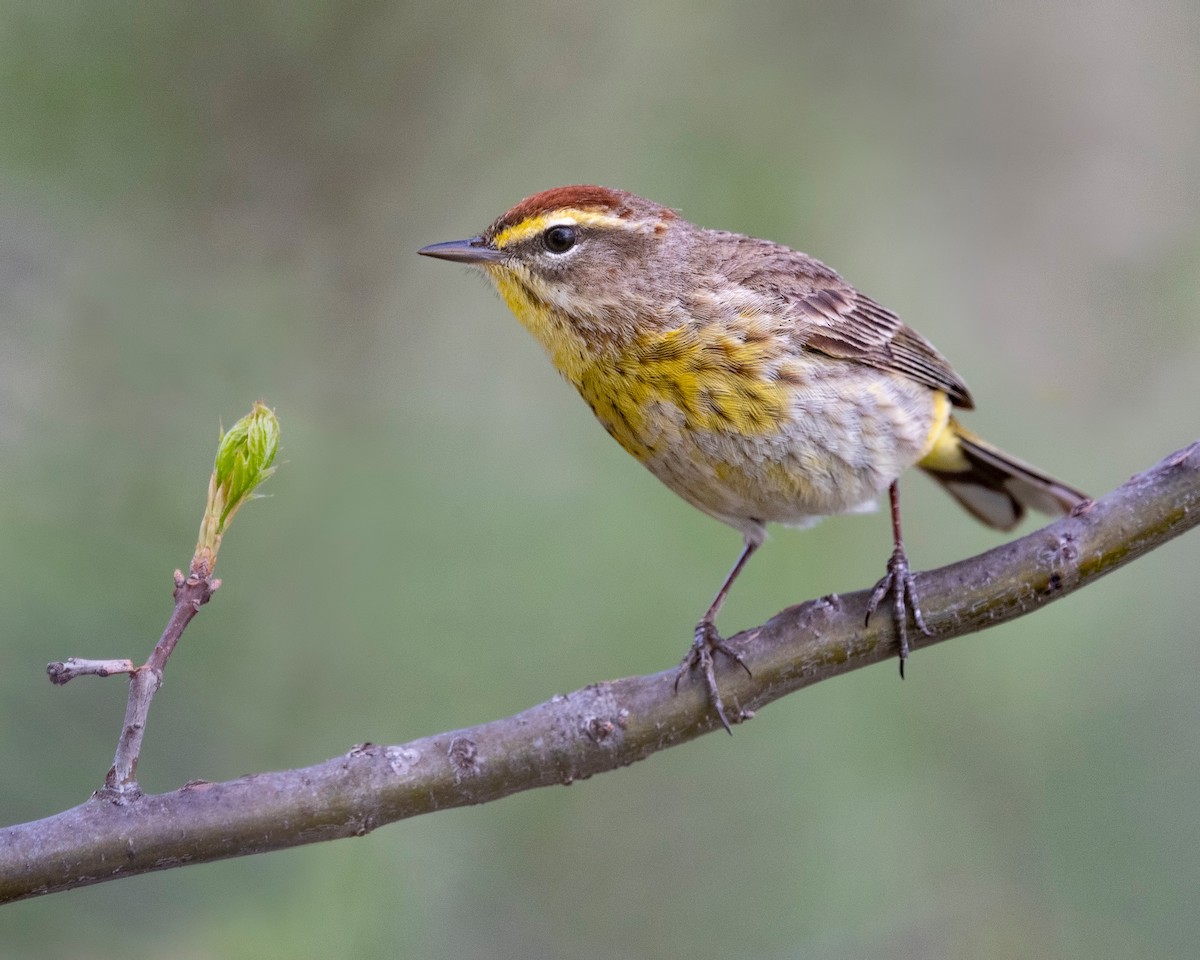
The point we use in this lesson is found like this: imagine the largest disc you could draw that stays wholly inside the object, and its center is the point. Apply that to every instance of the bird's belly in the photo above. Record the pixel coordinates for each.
(833, 450)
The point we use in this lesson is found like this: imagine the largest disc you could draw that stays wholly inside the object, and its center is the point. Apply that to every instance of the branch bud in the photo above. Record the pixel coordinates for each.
(244, 457)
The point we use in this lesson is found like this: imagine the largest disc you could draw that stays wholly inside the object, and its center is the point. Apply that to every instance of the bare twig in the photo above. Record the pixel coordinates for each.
(61, 671)
(599, 728)
(191, 593)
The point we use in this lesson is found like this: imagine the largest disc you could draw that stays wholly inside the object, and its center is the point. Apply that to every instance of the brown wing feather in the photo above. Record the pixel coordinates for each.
(829, 315)
(844, 323)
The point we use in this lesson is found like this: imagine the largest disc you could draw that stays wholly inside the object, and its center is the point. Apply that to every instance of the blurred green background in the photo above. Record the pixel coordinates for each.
(204, 204)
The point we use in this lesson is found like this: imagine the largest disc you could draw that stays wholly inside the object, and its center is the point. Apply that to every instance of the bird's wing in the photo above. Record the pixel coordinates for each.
(838, 321)
(822, 312)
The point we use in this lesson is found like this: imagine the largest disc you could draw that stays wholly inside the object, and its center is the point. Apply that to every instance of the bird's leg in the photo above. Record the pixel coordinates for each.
(708, 641)
(900, 582)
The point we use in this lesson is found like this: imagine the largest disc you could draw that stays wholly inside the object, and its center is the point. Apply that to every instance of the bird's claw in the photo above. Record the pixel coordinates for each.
(700, 656)
(901, 584)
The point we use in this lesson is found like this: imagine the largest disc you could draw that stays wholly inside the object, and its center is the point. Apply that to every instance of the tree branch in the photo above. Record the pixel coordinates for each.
(590, 731)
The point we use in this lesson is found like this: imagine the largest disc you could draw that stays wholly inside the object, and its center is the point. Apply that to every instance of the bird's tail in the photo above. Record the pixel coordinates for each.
(994, 488)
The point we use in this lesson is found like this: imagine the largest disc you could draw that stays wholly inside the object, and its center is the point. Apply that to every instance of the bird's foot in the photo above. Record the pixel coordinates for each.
(901, 584)
(700, 657)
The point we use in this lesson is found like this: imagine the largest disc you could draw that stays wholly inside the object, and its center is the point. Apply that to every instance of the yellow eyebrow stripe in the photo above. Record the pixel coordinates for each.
(532, 226)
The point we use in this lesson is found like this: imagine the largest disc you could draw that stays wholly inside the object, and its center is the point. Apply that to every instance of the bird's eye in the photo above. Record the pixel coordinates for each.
(559, 239)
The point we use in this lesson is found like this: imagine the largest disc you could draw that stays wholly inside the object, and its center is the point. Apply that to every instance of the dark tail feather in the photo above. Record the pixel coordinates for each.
(993, 487)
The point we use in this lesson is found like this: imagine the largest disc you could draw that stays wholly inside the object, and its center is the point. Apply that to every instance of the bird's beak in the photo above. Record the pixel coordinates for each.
(474, 250)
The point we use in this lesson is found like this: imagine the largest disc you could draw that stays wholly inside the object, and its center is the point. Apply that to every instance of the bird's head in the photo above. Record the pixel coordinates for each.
(601, 261)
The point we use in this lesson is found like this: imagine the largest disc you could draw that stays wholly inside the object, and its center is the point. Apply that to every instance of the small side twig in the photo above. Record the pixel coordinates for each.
(64, 671)
(191, 593)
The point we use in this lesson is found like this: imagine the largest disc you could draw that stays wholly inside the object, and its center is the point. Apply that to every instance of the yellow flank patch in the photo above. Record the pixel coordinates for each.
(943, 452)
(698, 380)
(532, 226)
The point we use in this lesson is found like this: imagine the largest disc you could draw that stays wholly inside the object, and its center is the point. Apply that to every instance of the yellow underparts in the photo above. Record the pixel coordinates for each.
(943, 453)
(694, 378)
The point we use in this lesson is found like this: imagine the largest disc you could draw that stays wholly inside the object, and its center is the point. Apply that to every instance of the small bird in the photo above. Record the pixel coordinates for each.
(748, 377)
